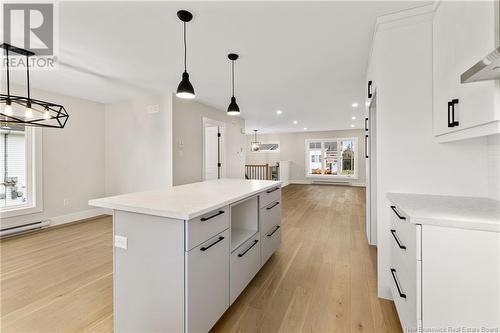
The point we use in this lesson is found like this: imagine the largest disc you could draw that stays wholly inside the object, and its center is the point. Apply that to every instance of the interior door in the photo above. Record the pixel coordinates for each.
(212, 152)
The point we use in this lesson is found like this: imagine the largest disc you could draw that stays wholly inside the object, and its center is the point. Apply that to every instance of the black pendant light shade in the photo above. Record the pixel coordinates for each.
(233, 109)
(185, 88)
(19, 111)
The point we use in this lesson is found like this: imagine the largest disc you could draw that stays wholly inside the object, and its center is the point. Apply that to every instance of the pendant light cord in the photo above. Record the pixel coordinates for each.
(8, 74)
(233, 75)
(28, 76)
(185, 48)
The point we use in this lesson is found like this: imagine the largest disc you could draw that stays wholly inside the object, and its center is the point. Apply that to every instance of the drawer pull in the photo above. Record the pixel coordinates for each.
(274, 189)
(204, 248)
(244, 252)
(396, 212)
(276, 229)
(203, 219)
(401, 246)
(393, 272)
(275, 204)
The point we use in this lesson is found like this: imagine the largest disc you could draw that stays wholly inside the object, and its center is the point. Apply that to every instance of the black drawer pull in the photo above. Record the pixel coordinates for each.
(393, 272)
(203, 219)
(272, 233)
(275, 204)
(396, 212)
(254, 242)
(204, 248)
(401, 246)
(453, 121)
(366, 145)
(366, 124)
(274, 189)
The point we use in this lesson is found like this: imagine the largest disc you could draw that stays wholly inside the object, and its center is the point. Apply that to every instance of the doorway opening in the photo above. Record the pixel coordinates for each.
(371, 171)
(214, 166)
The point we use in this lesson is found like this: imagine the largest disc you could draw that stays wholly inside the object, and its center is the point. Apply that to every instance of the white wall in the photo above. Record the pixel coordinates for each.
(188, 141)
(292, 148)
(138, 145)
(73, 161)
(409, 159)
(494, 166)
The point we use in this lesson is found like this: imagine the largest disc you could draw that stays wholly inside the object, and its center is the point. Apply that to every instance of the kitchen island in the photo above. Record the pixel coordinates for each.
(182, 255)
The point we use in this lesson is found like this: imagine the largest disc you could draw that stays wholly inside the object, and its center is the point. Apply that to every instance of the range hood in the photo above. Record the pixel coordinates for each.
(486, 69)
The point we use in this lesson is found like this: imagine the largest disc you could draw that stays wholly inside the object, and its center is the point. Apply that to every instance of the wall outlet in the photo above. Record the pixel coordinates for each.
(66, 202)
(121, 242)
(154, 108)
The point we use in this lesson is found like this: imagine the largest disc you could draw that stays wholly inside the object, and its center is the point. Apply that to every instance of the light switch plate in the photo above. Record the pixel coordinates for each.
(121, 242)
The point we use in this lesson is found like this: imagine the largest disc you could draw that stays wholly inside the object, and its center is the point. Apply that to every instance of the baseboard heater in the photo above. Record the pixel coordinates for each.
(11, 231)
(329, 182)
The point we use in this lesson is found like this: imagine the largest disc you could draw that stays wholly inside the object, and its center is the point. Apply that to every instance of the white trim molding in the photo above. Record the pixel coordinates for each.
(82, 215)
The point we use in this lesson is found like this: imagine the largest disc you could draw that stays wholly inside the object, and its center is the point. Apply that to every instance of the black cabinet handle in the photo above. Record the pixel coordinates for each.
(370, 94)
(401, 246)
(211, 217)
(453, 121)
(396, 212)
(366, 145)
(275, 204)
(393, 272)
(276, 229)
(366, 124)
(204, 248)
(274, 189)
(254, 242)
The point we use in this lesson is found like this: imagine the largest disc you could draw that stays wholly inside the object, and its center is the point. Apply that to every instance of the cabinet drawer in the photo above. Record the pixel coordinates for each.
(404, 294)
(207, 283)
(206, 226)
(244, 264)
(270, 216)
(404, 236)
(270, 242)
(269, 196)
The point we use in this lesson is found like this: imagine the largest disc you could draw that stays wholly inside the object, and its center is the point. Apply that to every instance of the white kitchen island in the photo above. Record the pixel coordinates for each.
(182, 255)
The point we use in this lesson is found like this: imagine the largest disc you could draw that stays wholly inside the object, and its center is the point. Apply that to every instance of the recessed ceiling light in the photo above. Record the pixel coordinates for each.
(352, 125)
(354, 105)
(353, 118)
(305, 128)
(279, 112)
(295, 122)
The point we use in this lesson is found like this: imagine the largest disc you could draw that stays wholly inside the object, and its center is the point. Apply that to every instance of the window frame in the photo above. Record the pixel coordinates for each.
(33, 176)
(268, 151)
(323, 176)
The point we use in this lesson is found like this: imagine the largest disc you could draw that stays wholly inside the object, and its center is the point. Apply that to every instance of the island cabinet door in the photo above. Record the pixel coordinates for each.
(270, 216)
(207, 283)
(245, 263)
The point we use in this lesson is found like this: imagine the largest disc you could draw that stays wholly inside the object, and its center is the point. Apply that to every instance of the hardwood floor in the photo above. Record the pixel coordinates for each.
(322, 279)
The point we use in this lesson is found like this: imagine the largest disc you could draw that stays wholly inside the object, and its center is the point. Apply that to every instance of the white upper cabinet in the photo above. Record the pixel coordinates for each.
(463, 33)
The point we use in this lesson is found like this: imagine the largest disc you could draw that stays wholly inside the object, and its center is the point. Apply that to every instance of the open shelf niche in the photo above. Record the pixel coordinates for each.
(244, 221)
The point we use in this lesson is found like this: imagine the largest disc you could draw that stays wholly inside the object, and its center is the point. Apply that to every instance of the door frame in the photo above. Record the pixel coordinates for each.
(371, 171)
(222, 145)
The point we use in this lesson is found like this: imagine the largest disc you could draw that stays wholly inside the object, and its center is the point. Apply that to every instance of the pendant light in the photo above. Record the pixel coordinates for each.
(233, 109)
(255, 145)
(26, 111)
(185, 88)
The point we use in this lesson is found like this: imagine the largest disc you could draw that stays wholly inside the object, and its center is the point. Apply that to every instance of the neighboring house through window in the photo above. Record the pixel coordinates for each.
(331, 157)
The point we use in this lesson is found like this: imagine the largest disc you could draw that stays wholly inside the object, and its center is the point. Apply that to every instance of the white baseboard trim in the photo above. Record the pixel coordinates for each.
(307, 182)
(82, 215)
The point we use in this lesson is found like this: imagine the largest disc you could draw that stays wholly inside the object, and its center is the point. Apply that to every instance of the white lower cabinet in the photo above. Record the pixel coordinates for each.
(270, 242)
(244, 264)
(207, 283)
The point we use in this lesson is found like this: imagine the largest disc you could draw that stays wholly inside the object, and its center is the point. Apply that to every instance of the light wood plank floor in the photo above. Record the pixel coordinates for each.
(322, 279)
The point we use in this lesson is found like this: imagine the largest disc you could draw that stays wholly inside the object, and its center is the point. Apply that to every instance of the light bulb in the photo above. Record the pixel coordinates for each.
(8, 110)
(28, 113)
(46, 114)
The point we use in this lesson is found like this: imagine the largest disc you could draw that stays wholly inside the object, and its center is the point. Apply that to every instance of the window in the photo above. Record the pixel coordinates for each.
(18, 190)
(268, 147)
(331, 158)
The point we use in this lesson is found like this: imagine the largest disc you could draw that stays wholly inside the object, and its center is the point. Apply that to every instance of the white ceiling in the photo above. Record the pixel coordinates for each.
(305, 58)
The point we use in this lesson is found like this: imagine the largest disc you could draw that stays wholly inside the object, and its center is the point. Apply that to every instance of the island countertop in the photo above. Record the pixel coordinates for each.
(450, 211)
(185, 202)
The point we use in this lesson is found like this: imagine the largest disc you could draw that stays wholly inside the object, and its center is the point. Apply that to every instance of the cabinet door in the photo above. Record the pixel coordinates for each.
(475, 38)
(207, 287)
(245, 263)
(444, 72)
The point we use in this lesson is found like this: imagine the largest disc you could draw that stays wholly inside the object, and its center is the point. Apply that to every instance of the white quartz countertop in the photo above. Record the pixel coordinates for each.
(449, 211)
(186, 201)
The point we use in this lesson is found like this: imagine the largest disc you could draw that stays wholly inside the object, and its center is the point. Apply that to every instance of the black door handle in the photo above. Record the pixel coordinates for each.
(204, 248)
(211, 217)
(274, 189)
(244, 252)
(272, 233)
(366, 145)
(396, 212)
(453, 121)
(275, 204)
(401, 246)
(393, 272)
